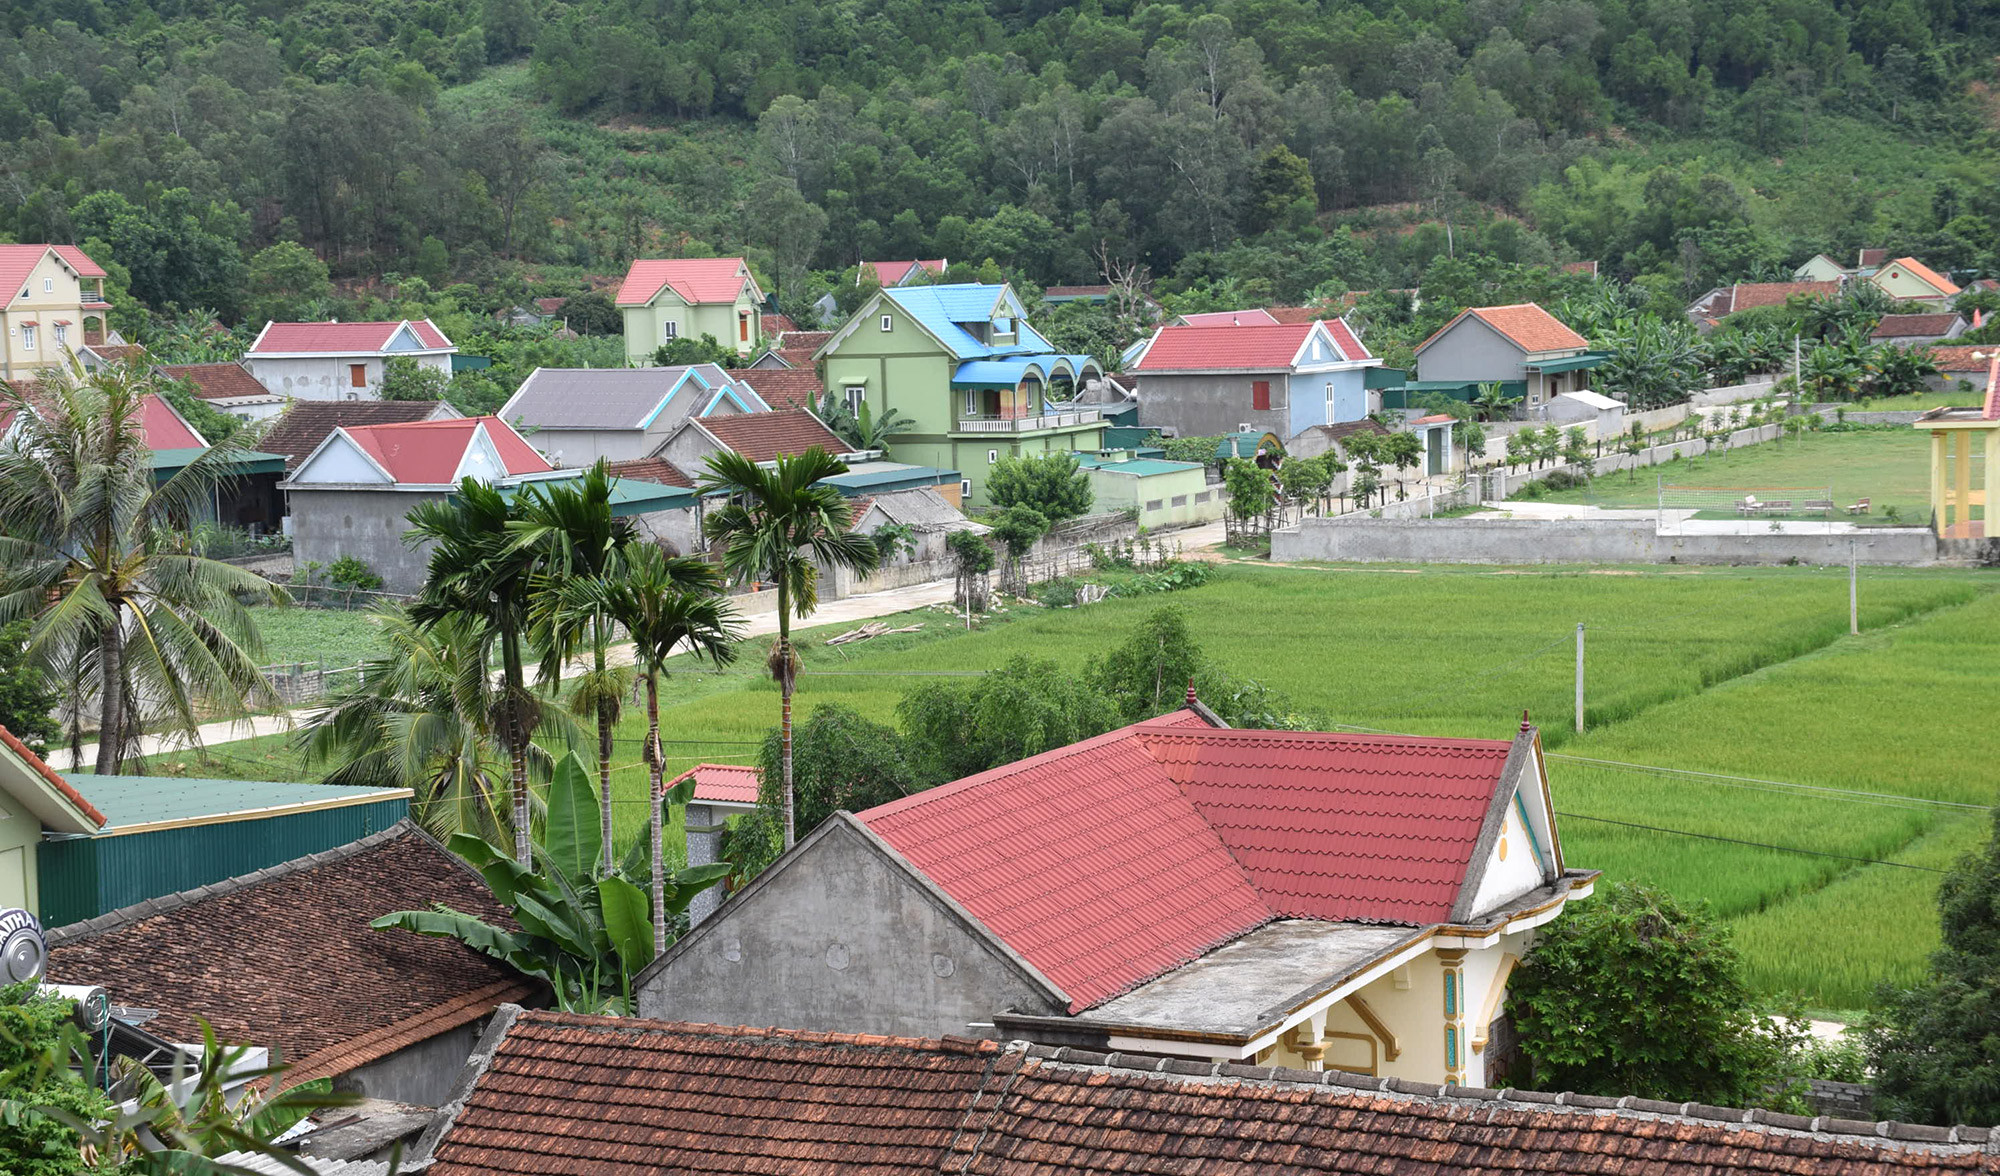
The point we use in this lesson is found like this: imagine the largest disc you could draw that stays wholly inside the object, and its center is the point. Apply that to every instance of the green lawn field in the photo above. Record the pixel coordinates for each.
(1891, 468)
(1728, 671)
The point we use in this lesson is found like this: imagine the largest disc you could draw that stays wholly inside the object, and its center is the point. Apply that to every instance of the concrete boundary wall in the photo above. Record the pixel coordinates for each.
(1499, 484)
(1588, 541)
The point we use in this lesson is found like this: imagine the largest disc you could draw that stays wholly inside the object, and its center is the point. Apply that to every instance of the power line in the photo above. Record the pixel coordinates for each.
(1756, 844)
(1757, 784)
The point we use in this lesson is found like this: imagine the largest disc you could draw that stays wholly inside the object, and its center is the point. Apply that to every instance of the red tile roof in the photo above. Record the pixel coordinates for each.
(430, 452)
(1177, 837)
(650, 469)
(891, 272)
(1749, 295)
(1524, 324)
(41, 768)
(18, 261)
(763, 436)
(163, 428)
(341, 338)
(809, 341)
(1958, 357)
(1253, 317)
(721, 783)
(1927, 275)
(1870, 257)
(1262, 348)
(781, 388)
(695, 279)
(308, 422)
(600, 1096)
(777, 324)
(285, 957)
(1926, 325)
(1344, 338)
(218, 381)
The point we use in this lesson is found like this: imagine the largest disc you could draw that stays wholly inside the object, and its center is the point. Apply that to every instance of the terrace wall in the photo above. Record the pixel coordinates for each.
(1355, 539)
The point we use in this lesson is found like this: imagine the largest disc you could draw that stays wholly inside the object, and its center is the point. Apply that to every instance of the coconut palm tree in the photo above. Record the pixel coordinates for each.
(667, 605)
(481, 570)
(571, 527)
(781, 526)
(95, 555)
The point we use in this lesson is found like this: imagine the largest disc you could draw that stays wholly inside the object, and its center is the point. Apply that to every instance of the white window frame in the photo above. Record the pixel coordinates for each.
(48, 285)
(971, 402)
(888, 322)
(1329, 402)
(670, 330)
(27, 338)
(854, 394)
(965, 487)
(62, 334)
(992, 457)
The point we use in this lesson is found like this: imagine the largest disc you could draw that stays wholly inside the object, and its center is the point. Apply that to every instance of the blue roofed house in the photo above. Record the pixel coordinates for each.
(577, 415)
(977, 381)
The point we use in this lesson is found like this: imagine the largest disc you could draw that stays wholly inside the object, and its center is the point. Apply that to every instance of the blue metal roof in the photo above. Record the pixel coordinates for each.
(1006, 373)
(942, 308)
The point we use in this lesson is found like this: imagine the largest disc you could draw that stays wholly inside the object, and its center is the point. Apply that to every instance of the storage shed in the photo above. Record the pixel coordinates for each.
(1164, 493)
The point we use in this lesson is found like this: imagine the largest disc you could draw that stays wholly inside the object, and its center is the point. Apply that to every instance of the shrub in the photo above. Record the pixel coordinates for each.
(1053, 484)
(1059, 592)
(351, 572)
(1564, 480)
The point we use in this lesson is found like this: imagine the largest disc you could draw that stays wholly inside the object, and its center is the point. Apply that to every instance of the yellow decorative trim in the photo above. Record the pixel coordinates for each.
(1374, 1049)
(279, 810)
(1391, 1048)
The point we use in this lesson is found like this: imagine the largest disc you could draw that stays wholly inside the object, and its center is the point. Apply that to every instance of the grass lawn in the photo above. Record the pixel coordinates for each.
(332, 637)
(1923, 402)
(1739, 671)
(1890, 468)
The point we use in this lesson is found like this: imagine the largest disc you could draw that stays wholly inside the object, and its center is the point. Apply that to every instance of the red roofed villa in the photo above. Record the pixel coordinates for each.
(1262, 377)
(342, 361)
(666, 298)
(1173, 887)
(51, 302)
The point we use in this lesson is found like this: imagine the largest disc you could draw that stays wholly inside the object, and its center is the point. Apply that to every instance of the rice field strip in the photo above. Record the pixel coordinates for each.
(1529, 656)
(1756, 844)
(1802, 791)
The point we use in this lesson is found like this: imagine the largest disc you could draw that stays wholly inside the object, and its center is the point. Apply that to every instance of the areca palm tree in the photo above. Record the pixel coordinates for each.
(667, 605)
(571, 526)
(94, 555)
(782, 526)
(481, 570)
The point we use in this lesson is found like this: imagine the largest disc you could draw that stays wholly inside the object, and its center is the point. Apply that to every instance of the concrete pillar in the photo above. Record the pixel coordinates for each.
(1452, 960)
(705, 828)
(1962, 476)
(1938, 504)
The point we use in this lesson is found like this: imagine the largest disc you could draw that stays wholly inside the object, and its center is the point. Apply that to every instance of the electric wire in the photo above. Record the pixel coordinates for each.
(1755, 844)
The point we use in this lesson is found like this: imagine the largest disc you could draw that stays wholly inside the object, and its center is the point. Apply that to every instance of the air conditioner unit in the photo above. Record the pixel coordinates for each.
(1243, 426)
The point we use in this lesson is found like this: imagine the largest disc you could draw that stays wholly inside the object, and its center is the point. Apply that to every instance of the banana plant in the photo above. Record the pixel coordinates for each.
(586, 936)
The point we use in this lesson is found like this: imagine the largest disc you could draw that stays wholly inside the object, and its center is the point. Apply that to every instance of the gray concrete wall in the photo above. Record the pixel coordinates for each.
(1355, 539)
(682, 528)
(366, 524)
(421, 1074)
(1735, 393)
(838, 938)
(1471, 350)
(1201, 406)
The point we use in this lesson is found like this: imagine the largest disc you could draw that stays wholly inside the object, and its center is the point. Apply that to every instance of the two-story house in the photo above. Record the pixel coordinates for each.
(342, 361)
(664, 299)
(577, 415)
(1263, 377)
(51, 302)
(965, 367)
(1523, 348)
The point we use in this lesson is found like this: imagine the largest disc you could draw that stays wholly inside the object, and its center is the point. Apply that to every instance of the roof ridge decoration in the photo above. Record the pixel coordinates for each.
(113, 920)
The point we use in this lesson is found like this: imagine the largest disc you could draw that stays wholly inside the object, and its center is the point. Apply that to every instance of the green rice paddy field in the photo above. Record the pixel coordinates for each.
(1878, 747)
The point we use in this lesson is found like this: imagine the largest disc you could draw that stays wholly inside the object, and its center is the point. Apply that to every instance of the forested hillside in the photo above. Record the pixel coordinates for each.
(1241, 151)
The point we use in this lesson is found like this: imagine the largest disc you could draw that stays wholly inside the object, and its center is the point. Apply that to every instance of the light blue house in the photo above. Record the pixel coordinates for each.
(1278, 378)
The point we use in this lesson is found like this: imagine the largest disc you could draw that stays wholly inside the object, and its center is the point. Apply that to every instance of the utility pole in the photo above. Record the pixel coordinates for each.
(1579, 677)
(1853, 592)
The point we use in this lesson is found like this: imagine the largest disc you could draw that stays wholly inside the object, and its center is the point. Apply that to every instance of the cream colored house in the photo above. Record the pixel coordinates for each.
(51, 302)
(664, 299)
(1908, 280)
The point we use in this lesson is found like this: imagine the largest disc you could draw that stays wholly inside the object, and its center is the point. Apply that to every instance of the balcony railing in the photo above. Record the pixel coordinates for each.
(1028, 424)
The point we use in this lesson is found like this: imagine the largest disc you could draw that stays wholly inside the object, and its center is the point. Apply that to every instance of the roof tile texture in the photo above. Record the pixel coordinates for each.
(340, 338)
(1529, 327)
(430, 452)
(1179, 837)
(1928, 325)
(1749, 295)
(695, 279)
(221, 381)
(763, 436)
(723, 783)
(650, 469)
(1262, 347)
(588, 1096)
(18, 261)
(308, 422)
(784, 388)
(286, 958)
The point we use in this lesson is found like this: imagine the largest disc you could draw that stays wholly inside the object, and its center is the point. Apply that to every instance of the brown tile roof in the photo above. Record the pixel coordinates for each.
(809, 340)
(1958, 358)
(1873, 257)
(217, 381)
(762, 436)
(593, 1096)
(117, 352)
(285, 957)
(775, 324)
(797, 387)
(1587, 268)
(1299, 314)
(309, 422)
(650, 469)
(1748, 295)
(1932, 325)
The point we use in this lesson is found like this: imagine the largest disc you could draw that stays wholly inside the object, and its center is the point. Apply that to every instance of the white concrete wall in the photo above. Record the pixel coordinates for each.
(328, 378)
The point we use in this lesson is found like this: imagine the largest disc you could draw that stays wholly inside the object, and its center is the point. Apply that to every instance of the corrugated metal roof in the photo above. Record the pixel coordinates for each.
(602, 398)
(1138, 467)
(132, 804)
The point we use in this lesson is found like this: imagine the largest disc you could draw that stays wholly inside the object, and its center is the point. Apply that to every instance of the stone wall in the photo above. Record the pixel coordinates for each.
(1355, 539)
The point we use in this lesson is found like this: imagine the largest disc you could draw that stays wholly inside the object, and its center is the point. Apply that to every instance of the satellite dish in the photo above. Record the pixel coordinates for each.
(23, 951)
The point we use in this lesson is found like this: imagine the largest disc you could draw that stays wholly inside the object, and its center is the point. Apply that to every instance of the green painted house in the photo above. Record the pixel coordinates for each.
(664, 299)
(1163, 493)
(963, 364)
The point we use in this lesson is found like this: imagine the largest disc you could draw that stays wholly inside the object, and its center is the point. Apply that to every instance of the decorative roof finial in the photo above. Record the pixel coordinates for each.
(1526, 726)
(1190, 694)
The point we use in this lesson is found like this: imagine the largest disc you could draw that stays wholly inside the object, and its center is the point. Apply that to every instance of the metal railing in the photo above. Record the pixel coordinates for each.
(1029, 424)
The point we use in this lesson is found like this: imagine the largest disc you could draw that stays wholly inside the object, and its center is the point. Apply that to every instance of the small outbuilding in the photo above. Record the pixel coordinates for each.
(1585, 407)
(1162, 493)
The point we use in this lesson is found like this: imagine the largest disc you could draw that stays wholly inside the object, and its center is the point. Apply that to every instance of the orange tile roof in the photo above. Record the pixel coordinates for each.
(764, 436)
(1524, 324)
(1927, 275)
(42, 769)
(657, 470)
(1749, 295)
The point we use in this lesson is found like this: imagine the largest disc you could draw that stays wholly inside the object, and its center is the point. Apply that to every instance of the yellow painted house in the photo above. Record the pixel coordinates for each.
(664, 299)
(51, 302)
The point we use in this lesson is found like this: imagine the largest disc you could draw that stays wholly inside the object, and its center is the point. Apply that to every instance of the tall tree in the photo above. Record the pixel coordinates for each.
(781, 527)
(480, 569)
(93, 554)
(667, 606)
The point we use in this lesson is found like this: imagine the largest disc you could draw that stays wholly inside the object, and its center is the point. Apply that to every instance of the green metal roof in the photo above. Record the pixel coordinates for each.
(1588, 359)
(878, 481)
(247, 462)
(629, 496)
(1141, 467)
(136, 804)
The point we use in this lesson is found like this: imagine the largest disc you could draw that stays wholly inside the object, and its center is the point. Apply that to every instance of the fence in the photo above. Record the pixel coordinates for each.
(338, 596)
